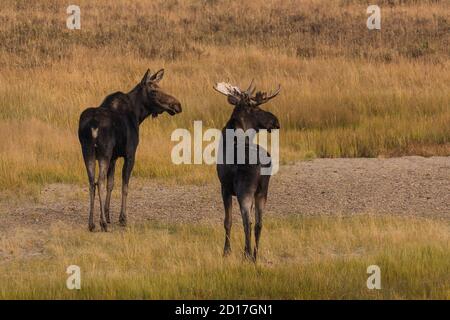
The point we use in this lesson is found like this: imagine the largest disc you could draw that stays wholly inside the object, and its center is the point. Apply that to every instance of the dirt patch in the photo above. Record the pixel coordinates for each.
(405, 186)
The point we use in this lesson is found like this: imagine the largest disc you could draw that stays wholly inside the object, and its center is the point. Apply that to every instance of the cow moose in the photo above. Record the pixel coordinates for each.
(244, 180)
(111, 131)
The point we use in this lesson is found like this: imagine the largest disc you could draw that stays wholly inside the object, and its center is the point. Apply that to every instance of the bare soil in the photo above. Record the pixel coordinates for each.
(397, 186)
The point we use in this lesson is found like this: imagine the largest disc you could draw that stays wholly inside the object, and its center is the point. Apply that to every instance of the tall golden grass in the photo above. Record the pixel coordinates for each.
(300, 258)
(347, 91)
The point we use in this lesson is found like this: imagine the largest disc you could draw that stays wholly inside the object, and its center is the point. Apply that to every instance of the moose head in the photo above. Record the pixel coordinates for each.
(247, 113)
(155, 100)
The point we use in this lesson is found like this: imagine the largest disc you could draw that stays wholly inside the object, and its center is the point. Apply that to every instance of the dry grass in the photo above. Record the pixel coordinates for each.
(301, 258)
(347, 92)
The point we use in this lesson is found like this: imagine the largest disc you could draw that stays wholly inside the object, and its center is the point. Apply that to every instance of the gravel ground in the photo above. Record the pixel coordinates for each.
(398, 186)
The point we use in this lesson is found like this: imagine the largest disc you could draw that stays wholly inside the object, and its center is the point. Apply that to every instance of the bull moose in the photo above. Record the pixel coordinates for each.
(111, 131)
(244, 180)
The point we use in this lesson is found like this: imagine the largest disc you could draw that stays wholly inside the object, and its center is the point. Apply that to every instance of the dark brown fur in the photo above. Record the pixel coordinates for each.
(111, 131)
(245, 181)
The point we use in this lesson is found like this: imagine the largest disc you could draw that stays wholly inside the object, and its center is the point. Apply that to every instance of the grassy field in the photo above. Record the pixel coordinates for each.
(347, 91)
(300, 258)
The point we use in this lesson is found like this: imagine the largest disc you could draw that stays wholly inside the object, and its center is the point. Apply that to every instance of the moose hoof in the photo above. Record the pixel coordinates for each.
(255, 254)
(249, 257)
(123, 222)
(104, 226)
(91, 227)
(226, 252)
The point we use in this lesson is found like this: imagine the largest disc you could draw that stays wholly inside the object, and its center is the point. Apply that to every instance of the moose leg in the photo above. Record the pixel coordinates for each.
(109, 188)
(126, 174)
(245, 204)
(228, 204)
(103, 169)
(89, 161)
(260, 201)
(90, 166)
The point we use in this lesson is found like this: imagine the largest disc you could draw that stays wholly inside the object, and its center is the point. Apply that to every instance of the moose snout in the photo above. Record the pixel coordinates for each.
(275, 125)
(176, 107)
(173, 107)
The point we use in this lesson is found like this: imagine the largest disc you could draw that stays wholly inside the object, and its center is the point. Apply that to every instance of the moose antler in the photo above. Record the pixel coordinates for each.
(227, 89)
(230, 90)
(263, 97)
(235, 93)
(251, 88)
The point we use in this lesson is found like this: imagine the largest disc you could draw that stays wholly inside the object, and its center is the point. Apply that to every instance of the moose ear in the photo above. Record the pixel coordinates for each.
(146, 77)
(232, 100)
(158, 76)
